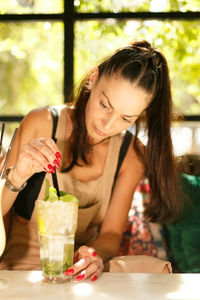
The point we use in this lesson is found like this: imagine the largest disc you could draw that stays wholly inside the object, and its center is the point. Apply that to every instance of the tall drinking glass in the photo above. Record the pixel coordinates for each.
(56, 223)
(2, 229)
(3, 281)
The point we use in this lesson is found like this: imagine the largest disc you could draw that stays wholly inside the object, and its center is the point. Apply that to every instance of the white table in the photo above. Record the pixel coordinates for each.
(27, 285)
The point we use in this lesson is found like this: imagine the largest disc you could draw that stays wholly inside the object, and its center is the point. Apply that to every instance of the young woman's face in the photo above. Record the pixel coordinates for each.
(113, 106)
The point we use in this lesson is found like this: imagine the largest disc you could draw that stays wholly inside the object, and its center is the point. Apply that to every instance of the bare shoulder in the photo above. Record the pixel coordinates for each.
(38, 122)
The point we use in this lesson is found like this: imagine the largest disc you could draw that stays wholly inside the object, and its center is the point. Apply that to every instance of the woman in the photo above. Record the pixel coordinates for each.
(130, 86)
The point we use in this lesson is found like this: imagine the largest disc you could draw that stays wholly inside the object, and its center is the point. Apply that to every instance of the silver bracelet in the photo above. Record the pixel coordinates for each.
(9, 185)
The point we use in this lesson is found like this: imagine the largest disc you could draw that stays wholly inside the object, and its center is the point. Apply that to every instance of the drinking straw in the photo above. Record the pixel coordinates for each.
(55, 183)
(1, 138)
(8, 152)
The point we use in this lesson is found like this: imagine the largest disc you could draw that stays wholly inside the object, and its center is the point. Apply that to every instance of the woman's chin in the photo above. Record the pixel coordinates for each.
(100, 141)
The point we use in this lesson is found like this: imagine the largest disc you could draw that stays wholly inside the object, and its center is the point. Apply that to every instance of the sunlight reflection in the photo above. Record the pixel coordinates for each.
(188, 290)
(3, 283)
(83, 289)
(35, 276)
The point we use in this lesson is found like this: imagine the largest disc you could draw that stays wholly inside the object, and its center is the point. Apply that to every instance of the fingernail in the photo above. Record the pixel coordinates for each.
(69, 272)
(56, 164)
(47, 170)
(58, 156)
(51, 168)
(94, 278)
(94, 253)
(80, 277)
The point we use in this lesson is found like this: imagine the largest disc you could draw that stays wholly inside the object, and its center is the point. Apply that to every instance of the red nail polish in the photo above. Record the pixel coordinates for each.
(51, 168)
(69, 271)
(56, 164)
(80, 277)
(45, 170)
(94, 254)
(94, 278)
(58, 156)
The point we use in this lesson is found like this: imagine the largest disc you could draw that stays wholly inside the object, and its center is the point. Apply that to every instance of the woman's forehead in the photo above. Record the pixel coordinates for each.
(122, 94)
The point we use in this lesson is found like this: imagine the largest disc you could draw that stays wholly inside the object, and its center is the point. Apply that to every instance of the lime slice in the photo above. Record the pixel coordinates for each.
(41, 225)
(66, 197)
(51, 195)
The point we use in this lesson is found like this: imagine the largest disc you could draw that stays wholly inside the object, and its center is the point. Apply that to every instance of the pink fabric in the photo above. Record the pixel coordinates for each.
(137, 237)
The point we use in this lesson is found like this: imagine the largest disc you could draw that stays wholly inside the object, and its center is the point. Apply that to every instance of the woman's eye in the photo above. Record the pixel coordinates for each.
(103, 105)
(126, 120)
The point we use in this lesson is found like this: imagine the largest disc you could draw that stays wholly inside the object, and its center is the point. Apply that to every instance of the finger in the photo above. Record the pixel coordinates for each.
(51, 144)
(56, 156)
(90, 270)
(36, 154)
(85, 251)
(92, 252)
(96, 275)
(35, 165)
(79, 266)
(82, 264)
(44, 153)
(82, 258)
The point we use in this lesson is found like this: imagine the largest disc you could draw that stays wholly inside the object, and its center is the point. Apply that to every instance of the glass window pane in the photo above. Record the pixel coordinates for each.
(186, 137)
(178, 40)
(31, 6)
(136, 5)
(31, 66)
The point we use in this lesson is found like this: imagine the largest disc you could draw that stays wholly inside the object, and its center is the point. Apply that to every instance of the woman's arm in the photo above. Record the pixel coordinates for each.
(108, 241)
(28, 152)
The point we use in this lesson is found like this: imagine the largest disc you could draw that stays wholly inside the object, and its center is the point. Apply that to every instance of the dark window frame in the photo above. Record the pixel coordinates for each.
(69, 17)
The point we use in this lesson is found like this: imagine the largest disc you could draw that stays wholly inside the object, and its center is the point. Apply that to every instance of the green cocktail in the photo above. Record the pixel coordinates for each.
(56, 223)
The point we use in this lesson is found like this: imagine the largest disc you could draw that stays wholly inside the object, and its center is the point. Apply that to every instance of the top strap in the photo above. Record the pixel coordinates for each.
(122, 153)
(55, 121)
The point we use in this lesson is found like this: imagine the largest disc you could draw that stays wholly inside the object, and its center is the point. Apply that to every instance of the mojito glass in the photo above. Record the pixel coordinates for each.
(2, 229)
(56, 223)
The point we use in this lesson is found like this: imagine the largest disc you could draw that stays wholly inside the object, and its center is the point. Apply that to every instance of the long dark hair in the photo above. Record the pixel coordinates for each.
(146, 66)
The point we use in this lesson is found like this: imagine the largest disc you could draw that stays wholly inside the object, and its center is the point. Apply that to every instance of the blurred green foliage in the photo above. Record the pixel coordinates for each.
(136, 5)
(31, 66)
(178, 40)
(31, 6)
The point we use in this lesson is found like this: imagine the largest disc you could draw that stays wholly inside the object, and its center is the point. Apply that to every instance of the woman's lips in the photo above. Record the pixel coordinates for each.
(99, 132)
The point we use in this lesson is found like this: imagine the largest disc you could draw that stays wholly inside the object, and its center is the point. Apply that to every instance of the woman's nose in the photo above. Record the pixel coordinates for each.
(108, 122)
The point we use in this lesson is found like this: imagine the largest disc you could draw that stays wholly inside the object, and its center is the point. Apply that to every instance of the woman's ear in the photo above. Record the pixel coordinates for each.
(93, 77)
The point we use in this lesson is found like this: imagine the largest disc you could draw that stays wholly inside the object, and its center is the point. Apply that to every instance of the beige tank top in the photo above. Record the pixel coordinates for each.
(22, 249)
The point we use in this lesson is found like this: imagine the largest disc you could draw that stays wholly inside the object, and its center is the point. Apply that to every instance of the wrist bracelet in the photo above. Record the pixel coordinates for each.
(9, 185)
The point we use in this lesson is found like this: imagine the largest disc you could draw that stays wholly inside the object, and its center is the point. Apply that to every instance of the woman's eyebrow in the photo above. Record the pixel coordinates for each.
(128, 116)
(107, 100)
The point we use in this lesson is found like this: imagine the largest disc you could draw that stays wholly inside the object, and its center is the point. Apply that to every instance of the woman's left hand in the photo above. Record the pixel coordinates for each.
(87, 264)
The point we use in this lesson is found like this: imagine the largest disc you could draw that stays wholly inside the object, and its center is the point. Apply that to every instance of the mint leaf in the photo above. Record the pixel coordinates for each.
(52, 194)
(46, 194)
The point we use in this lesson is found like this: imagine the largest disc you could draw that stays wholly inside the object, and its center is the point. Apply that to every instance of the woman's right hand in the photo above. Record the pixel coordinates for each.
(36, 156)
